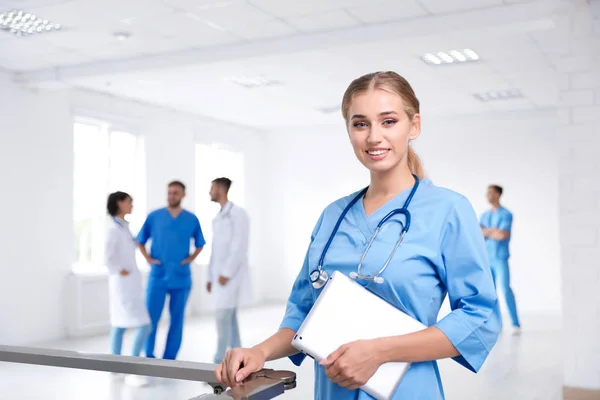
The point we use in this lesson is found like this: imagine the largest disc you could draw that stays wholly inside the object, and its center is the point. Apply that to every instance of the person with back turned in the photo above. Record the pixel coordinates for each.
(228, 267)
(171, 229)
(496, 225)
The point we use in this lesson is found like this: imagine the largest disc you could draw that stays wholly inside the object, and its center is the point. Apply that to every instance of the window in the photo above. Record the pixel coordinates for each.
(215, 161)
(105, 160)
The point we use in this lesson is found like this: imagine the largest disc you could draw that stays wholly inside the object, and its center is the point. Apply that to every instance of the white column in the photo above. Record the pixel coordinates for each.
(579, 111)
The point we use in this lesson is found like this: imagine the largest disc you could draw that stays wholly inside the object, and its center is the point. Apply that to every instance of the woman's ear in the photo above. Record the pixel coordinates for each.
(415, 127)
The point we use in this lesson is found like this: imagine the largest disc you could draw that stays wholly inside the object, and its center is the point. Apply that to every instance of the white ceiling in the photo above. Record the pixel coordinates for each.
(181, 51)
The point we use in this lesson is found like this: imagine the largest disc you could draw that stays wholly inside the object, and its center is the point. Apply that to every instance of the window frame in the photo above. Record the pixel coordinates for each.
(108, 124)
(205, 209)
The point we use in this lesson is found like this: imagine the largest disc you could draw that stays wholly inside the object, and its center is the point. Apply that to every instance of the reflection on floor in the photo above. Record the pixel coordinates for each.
(521, 367)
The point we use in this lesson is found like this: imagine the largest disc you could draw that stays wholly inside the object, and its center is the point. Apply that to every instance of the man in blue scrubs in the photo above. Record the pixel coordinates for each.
(496, 225)
(170, 230)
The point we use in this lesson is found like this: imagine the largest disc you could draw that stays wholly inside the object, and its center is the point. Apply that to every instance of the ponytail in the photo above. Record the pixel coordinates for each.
(414, 163)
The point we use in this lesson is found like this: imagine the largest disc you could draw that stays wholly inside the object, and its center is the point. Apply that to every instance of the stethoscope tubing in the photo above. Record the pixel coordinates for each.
(319, 279)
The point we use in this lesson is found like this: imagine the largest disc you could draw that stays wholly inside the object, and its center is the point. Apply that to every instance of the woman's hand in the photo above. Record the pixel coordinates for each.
(238, 365)
(353, 364)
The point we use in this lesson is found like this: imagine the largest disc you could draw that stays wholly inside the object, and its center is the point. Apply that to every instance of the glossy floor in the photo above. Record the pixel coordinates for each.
(520, 367)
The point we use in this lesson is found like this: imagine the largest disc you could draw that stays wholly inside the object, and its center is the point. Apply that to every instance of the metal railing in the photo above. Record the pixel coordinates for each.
(266, 384)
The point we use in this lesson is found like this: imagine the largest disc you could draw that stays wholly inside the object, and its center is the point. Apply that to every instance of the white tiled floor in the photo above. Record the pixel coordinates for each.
(524, 367)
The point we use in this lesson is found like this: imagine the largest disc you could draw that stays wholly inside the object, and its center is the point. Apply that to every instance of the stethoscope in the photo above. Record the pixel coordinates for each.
(319, 277)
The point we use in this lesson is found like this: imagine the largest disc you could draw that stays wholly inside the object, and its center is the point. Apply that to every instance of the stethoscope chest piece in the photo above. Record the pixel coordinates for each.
(319, 278)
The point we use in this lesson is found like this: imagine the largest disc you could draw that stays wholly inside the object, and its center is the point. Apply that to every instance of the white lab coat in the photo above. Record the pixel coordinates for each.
(126, 293)
(229, 257)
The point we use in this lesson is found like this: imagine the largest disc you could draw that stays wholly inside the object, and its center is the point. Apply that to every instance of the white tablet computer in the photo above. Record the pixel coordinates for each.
(346, 312)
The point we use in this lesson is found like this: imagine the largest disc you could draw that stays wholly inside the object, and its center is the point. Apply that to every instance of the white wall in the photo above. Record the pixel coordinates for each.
(580, 206)
(36, 233)
(516, 150)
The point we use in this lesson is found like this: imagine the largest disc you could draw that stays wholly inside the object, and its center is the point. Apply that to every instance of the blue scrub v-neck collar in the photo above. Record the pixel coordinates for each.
(368, 224)
(171, 215)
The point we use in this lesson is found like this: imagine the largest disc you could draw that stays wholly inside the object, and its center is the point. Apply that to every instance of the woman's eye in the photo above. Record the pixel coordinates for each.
(360, 125)
(389, 122)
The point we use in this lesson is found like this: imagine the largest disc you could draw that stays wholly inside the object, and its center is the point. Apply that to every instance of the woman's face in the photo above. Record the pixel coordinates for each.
(380, 129)
(126, 205)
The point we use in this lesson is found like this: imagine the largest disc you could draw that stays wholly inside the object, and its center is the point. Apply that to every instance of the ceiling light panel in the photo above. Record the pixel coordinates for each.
(331, 109)
(21, 23)
(252, 82)
(450, 57)
(497, 95)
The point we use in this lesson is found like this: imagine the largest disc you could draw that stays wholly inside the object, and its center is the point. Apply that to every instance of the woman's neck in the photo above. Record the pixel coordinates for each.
(390, 183)
(121, 216)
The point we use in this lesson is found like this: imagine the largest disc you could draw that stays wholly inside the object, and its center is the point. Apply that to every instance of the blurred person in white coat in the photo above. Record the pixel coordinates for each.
(126, 294)
(228, 267)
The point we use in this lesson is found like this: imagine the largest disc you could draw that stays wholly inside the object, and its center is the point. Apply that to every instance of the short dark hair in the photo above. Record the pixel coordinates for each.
(497, 188)
(112, 204)
(177, 183)
(224, 182)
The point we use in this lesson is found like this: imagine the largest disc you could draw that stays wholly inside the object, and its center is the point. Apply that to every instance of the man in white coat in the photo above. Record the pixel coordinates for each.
(228, 266)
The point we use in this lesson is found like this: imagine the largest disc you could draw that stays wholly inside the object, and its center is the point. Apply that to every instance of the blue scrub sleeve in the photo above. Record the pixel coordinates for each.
(301, 298)
(474, 324)
(506, 222)
(298, 306)
(144, 233)
(198, 236)
(483, 220)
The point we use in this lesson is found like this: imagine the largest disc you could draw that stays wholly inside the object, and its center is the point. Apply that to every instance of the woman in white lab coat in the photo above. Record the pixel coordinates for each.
(228, 267)
(126, 295)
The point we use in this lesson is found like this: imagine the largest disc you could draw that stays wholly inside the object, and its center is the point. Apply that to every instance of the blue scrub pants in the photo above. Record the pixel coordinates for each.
(228, 331)
(501, 275)
(116, 339)
(156, 296)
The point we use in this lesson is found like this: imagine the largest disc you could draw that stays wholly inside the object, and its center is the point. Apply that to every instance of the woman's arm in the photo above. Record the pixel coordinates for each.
(278, 346)
(428, 344)
(240, 363)
(353, 364)
(111, 247)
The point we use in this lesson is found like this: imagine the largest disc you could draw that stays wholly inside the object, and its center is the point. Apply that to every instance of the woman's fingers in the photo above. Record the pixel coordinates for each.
(233, 366)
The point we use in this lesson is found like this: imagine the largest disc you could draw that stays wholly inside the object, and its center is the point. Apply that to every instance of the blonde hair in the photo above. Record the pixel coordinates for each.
(393, 83)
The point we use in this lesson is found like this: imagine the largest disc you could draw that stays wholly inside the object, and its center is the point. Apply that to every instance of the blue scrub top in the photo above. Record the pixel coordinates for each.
(171, 245)
(442, 254)
(501, 219)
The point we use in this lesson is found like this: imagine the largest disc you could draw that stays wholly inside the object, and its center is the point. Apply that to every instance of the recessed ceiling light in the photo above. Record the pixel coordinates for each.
(331, 109)
(21, 23)
(496, 95)
(252, 82)
(122, 35)
(450, 57)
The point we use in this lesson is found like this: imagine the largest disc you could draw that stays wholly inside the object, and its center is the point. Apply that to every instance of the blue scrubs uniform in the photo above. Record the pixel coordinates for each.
(170, 245)
(499, 254)
(442, 254)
